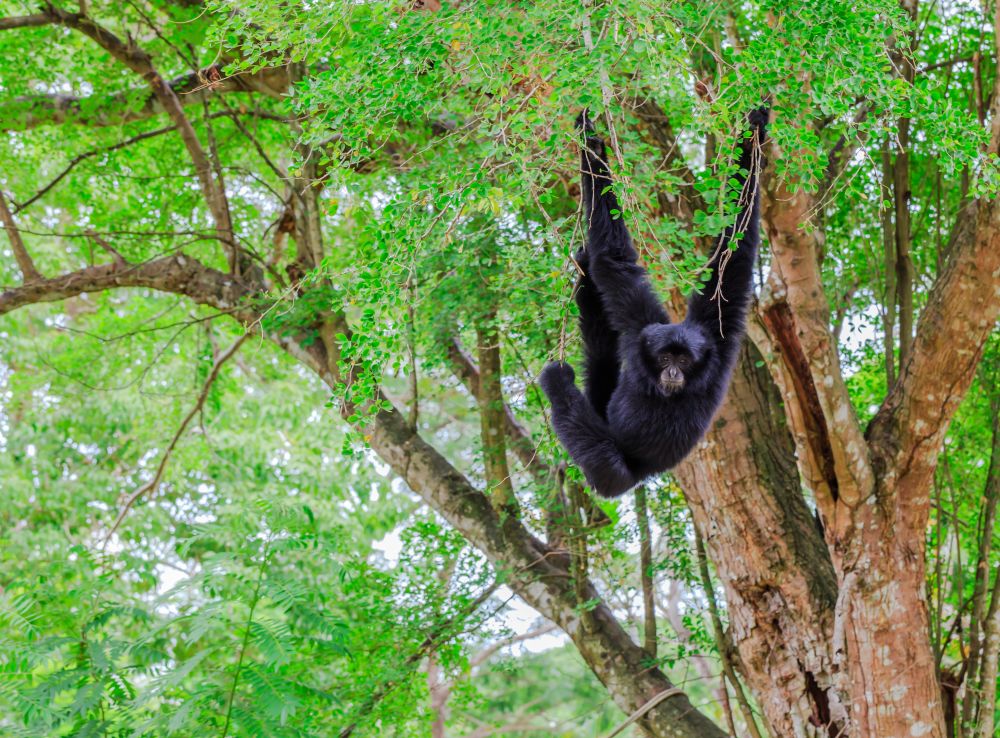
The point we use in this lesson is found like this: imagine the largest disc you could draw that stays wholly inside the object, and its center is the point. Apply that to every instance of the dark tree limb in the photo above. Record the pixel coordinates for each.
(177, 274)
(140, 62)
(28, 271)
(24, 21)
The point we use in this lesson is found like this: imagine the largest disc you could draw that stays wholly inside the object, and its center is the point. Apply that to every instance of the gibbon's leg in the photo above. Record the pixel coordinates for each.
(727, 310)
(584, 434)
(600, 341)
(629, 300)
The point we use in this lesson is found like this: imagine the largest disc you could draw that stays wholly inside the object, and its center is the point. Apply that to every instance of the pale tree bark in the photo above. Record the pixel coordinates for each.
(984, 725)
(873, 492)
(979, 698)
(646, 572)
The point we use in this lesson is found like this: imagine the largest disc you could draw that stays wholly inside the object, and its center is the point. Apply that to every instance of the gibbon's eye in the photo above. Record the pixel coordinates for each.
(681, 361)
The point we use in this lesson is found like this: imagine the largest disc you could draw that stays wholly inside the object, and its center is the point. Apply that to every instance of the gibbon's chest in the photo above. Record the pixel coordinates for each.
(658, 433)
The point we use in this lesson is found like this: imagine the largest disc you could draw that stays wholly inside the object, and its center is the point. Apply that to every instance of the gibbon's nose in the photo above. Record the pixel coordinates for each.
(671, 379)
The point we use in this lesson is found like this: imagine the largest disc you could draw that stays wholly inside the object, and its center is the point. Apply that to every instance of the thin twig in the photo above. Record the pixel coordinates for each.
(657, 699)
(246, 636)
(150, 486)
(646, 571)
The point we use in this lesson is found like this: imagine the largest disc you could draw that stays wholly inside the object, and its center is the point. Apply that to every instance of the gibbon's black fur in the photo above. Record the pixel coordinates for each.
(652, 386)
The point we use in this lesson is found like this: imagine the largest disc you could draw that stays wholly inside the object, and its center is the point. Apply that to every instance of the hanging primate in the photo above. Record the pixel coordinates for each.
(652, 386)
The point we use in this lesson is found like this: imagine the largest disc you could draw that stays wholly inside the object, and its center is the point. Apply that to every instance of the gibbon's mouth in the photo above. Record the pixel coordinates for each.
(671, 382)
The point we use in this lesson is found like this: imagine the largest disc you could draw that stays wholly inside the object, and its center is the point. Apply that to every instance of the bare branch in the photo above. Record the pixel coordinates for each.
(86, 155)
(100, 241)
(492, 419)
(832, 451)
(28, 271)
(178, 274)
(646, 572)
(722, 643)
(149, 488)
(480, 658)
(522, 445)
(24, 21)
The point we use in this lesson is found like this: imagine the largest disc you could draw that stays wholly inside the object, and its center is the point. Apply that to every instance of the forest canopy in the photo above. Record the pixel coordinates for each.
(277, 281)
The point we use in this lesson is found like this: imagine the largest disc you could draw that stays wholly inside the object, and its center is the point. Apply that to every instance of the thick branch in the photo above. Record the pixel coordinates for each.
(833, 453)
(178, 274)
(24, 21)
(961, 312)
(616, 660)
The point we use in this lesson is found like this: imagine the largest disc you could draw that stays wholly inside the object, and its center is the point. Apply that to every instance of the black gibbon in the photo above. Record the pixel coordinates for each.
(652, 386)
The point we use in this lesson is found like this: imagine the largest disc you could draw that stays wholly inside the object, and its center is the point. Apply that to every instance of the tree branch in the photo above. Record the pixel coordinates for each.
(32, 111)
(533, 573)
(86, 155)
(797, 314)
(657, 126)
(24, 21)
(961, 312)
(481, 657)
(28, 271)
(521, 444)
(178, 274)
(140, 62)
(492, 418)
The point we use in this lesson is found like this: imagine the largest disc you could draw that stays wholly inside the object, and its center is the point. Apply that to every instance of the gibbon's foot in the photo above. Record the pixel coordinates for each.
(556, 378)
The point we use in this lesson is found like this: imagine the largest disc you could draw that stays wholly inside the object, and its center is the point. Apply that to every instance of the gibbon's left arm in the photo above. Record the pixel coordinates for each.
(723, 315)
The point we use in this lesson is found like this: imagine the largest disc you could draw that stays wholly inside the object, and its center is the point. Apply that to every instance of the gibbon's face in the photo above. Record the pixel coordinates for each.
(673, 368)
(673, 353)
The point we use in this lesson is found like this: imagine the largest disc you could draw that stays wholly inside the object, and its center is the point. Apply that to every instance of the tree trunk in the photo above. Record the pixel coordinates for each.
(883, 630)
(746, 498)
